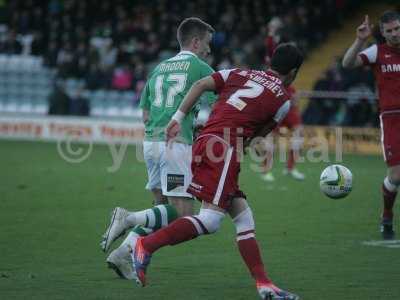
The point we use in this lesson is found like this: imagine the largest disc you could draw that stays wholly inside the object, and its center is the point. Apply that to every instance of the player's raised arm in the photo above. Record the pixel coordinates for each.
(200, 86)
(351, 58)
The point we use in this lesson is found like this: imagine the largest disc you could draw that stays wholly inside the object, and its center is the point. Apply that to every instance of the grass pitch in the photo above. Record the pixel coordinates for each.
(52, 215)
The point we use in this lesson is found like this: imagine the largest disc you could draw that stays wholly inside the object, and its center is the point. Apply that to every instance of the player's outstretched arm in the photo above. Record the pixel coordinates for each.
(351, 58)
(200, 86)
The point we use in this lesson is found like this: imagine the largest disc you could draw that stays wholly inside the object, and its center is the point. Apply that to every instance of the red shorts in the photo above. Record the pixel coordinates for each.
(292, 119)
(215, 168)
(390, 136)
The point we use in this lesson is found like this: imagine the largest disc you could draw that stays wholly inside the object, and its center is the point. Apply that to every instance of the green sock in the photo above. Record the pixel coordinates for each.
(155, 218)
(160, 216)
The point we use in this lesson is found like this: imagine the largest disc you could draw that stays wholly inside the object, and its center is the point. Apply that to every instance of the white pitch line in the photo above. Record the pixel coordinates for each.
(383, 243)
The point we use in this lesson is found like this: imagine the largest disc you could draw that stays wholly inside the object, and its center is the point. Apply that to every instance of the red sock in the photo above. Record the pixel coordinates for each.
(250, 252)
(267, 162)
(291, 161)
(264, 164)
(179, 231)
(388, 202)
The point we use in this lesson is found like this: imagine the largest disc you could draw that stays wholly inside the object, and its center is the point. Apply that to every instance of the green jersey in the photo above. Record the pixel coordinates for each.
(164, 91)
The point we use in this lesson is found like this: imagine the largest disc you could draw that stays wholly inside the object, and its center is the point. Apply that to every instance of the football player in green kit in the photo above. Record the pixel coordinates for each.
(168, 167)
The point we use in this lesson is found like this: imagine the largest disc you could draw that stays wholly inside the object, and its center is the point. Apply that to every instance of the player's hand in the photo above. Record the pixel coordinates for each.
(172, 130)
(364, 31)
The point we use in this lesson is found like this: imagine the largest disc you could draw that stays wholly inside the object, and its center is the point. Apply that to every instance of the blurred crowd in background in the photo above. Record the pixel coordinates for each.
(357, 109)
(114, 44)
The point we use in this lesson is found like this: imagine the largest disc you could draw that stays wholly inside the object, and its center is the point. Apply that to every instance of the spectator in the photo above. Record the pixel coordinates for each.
(122, 78)
(360, 107)
(50, 57)
(59, 102)
(108, 56)
(37, 44)
(11, 45)
(65, 60)
(114, 45)
(79, 105)
(81, 60)
(314, 113)
(95, 78)
(145, 28)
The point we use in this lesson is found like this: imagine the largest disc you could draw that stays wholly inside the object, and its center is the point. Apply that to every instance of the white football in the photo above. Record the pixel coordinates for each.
(336, 181)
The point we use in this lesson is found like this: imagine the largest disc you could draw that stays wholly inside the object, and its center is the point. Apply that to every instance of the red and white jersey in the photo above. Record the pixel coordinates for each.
(248, 100)
(385, 62)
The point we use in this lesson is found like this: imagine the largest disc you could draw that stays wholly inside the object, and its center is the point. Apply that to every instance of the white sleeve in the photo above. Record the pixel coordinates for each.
(371, 53)
(282, 112)
(225, 74)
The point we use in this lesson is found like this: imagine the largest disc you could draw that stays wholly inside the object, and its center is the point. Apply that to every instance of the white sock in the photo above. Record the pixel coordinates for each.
(134, 234)
(389, 186)
(137, 217)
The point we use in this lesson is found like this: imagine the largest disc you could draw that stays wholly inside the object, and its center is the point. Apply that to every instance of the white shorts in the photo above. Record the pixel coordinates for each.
(168, 168)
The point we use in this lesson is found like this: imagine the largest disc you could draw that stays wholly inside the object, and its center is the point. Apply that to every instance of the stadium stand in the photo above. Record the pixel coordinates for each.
(104, 55)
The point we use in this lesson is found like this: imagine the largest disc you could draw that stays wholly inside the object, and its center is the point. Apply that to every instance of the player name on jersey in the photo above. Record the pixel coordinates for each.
(273, 84)
(175, 66)
(390, 68)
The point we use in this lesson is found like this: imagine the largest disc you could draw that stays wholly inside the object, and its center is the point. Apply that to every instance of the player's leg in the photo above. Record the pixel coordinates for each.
(162, 214)
(181, 230)
(146, 221)
(390, 187)
(120, 259)
(159, 198)
(183, 205)
(266, 150)
(176, 175)
(390, 128)
(153, 218)
(121, 220)
(189, 227)
(207, 221)
(243, 220)
(211, 181)
(242, 217)
(296, 143)
(152, 152)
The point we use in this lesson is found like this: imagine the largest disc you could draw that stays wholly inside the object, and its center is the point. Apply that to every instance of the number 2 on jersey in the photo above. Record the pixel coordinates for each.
(179, 83)
(253, 91)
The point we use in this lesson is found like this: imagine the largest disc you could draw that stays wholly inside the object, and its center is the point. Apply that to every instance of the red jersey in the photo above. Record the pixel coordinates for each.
(385, 62)
(248, 100)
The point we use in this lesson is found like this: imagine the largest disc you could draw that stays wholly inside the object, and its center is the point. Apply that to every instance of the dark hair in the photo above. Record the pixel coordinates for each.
(287, 56)
(190, 28)
(389, 16)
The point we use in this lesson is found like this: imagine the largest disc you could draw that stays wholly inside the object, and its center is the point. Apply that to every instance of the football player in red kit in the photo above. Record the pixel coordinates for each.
(294, 124)
(385, 62)
(292, 121)
(250, 103)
